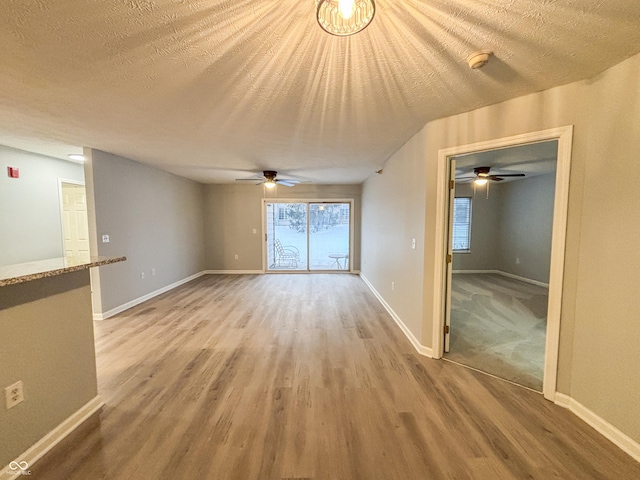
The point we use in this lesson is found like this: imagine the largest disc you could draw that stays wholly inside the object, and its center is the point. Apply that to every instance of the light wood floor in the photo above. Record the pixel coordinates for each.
(306, 376)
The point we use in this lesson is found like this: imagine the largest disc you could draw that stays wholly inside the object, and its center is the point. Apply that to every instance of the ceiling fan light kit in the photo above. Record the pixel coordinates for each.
(482, 175)
(269, 180)
(344, 17)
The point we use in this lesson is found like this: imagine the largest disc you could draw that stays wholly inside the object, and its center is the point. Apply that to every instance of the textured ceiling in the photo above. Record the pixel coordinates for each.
(214, 89)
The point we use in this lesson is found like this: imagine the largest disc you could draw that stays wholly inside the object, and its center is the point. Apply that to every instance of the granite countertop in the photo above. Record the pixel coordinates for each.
(26, 272)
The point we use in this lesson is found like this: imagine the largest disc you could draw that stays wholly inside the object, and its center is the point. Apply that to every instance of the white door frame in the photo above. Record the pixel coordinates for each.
(564, 136)
(350, 201)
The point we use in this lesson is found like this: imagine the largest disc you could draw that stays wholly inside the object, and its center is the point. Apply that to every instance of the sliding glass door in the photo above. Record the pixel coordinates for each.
(329, 236)
(308, 236)
(286, 236)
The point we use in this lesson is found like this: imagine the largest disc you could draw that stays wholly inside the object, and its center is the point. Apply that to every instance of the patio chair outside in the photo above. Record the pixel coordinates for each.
(287, 256)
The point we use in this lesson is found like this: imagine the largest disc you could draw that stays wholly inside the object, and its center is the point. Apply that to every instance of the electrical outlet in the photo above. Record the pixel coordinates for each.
(14, 394)
(142, 275)
(517, 261)
(255, 231)
(105, 238)
(413, 243)
(393, 286)
(153, 272)
(236, 256)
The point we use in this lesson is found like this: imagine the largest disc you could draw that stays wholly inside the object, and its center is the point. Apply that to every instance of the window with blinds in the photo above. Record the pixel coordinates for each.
(461, 224)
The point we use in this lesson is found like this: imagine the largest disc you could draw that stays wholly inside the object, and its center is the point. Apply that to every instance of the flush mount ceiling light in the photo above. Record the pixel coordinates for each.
(479, 59)
(344, 17)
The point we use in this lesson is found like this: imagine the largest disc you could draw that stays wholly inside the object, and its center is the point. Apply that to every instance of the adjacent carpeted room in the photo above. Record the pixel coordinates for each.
(498, 326)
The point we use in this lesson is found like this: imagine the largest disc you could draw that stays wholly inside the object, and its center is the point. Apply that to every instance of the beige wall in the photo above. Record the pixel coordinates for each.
(47, 342)
(606, 365)
(599, 337)
(152, 217)
(393, 213)
(233, 211)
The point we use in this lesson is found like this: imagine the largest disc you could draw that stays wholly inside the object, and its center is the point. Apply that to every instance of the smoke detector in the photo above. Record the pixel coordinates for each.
(479, 59)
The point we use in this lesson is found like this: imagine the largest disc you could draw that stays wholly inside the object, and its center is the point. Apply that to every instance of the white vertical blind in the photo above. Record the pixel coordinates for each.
(461, 224)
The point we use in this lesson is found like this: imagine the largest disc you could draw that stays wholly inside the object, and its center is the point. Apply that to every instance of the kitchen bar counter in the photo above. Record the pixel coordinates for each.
(46, 327)
(26, 272)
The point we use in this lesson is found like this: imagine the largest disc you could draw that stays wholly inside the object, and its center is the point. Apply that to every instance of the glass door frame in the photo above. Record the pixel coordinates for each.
(307, 201)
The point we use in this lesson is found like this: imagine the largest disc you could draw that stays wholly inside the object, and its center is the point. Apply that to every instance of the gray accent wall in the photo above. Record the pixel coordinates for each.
(30, 205)
(485, 220)
(511, 229)
(526, 221)
(232, 212)
(152, 217)
(598, 361)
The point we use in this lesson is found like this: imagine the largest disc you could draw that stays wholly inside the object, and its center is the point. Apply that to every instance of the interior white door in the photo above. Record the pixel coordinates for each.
(449, 259)
(74, 220)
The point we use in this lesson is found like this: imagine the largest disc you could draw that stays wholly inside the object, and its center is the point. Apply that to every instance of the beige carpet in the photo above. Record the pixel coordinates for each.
(498, 325)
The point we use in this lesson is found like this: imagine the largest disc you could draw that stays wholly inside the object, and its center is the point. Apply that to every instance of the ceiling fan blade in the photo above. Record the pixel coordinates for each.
(509, 175)
(495, 178)
(290, 180)
(286, 183)
(465, 178)
(254, 179)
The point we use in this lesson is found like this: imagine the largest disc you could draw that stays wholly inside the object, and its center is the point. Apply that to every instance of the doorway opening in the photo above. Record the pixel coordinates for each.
(308, 236)
(500, 243)
(444, 255)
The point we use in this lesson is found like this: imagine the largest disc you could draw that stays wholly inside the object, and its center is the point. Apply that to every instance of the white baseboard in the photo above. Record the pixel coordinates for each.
(233, 272)
(506, 274)
(562, 400)
(51, 439)
(620, 439)
(144, 298)
(421, 349)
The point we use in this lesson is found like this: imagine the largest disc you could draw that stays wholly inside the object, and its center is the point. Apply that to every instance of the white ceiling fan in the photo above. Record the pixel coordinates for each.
(269, 179)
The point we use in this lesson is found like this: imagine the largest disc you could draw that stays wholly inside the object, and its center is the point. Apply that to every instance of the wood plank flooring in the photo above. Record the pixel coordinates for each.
(306, 377)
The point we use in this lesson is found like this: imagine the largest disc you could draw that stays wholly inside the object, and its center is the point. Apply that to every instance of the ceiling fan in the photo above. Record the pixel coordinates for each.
(269, 179)
(483, 175)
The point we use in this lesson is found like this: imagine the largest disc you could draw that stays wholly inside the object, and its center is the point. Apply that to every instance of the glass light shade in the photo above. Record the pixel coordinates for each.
(332, 19)
(270, 184)
(480, 181)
